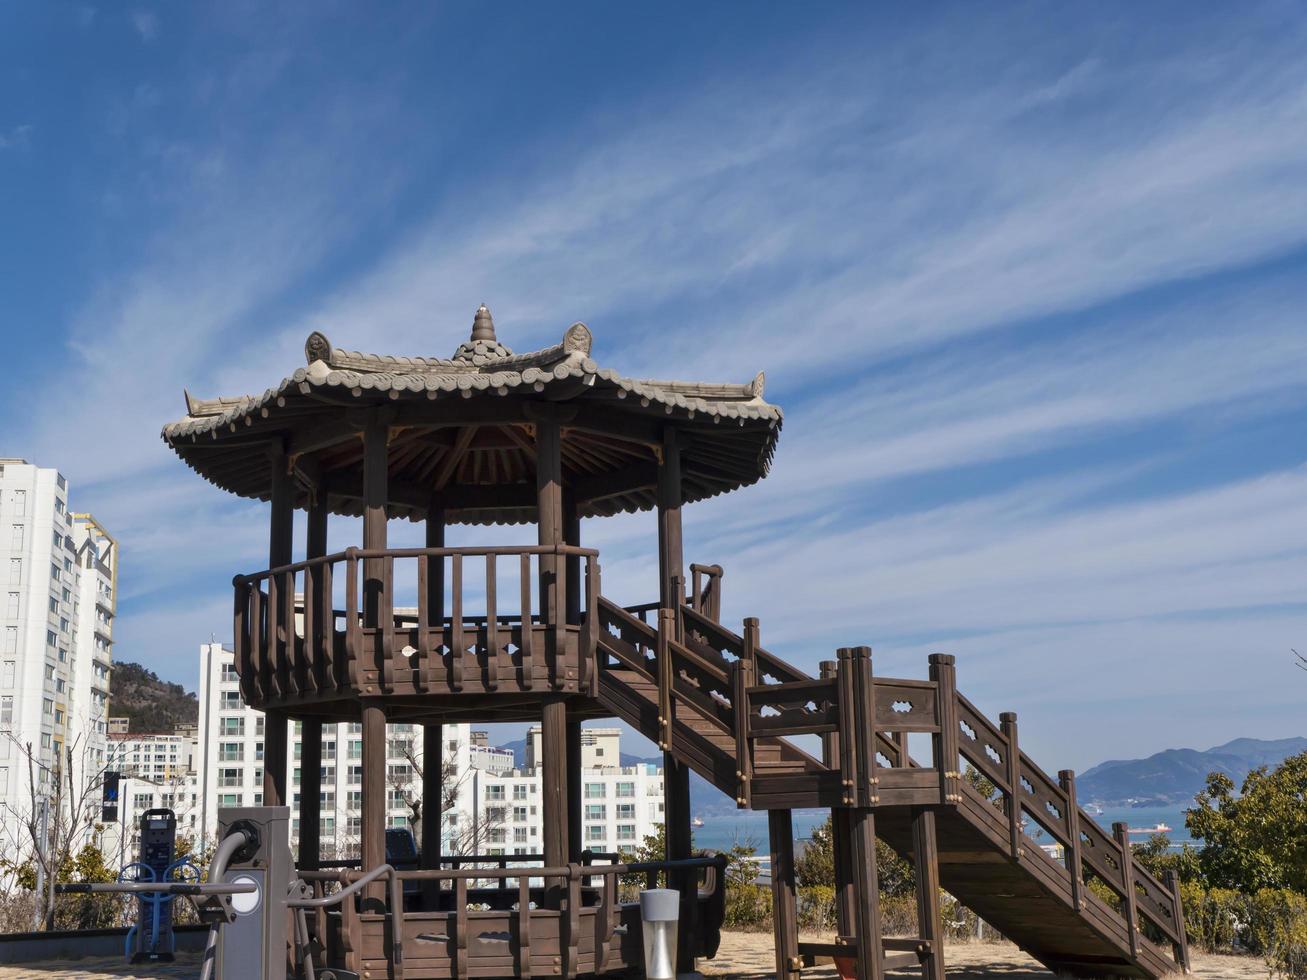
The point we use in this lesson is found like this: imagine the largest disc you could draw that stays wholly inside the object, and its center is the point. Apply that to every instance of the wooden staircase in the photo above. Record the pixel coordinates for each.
(728, 709)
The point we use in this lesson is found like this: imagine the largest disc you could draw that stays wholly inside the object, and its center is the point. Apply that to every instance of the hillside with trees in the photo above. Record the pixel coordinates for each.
(149, 703)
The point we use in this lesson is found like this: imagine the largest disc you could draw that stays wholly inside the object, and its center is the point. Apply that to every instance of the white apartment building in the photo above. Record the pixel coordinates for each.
(621, 806)
(56, 634)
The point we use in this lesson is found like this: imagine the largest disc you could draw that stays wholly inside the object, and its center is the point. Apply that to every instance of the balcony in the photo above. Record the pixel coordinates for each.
(335, 628)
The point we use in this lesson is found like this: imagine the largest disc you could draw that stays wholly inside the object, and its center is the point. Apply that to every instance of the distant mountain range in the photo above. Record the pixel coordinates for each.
(1174, 776)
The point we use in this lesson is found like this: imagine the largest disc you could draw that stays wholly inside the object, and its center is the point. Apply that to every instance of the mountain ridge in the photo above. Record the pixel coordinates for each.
(1175, 775)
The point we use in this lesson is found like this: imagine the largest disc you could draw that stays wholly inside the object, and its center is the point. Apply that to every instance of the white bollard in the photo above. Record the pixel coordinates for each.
(659, 910)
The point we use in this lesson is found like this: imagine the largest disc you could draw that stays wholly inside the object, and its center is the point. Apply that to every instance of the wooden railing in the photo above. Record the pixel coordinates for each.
(1031, 799)
(752, 698)
(293, 642)
(527, 922)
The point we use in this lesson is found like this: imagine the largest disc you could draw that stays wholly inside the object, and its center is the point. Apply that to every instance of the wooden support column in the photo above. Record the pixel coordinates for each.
(433, 748)
(574, 781)
(780, 832)
(280, 552)
(671, 590)
(925, 855)
(1179, 949)
(554, 796)
(375, 437)
(310, 849)
(870, 959)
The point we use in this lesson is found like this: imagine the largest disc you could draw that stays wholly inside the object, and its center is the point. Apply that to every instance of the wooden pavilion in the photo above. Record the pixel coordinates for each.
(375, 634)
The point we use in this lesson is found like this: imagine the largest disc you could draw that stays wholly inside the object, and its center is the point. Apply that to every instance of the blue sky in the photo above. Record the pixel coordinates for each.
(1029, 282)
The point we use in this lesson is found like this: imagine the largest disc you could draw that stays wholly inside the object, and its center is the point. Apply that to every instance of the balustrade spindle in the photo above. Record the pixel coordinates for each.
(528, 635)
(458, 642)
(492, 627)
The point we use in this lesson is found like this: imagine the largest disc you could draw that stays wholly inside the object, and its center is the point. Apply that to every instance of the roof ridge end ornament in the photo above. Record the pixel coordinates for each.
(577, 339)
(317, 347)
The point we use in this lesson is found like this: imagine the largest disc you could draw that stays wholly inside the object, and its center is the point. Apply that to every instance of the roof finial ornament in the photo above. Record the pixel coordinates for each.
(483, 325)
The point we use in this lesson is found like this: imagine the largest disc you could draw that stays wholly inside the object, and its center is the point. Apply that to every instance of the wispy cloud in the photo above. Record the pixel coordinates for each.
(146, 24)
(944, 268)
(17, 137)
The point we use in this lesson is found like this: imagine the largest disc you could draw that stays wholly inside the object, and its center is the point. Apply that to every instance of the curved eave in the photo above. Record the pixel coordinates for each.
(731, 440)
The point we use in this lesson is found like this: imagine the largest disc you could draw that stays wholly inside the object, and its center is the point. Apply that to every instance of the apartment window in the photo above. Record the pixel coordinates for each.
(494, 792)
(626, 831)
(54, 573)
(231, 701)
(353, 799)
(328, 801)
(594, 791)
(519, 792)
(596, 811)
(16, 537)
(60, 685)
(353, 826)
(395, 800)
(354, 775)
(51, 639)
(229, 777)
(355, 748)
(47, 706)
(11, 639)
(229, 799)
(625, 789)
(20, 503)
(519, 814)
(54, 605)
(58, 539)
(329, 751)
(63, 655)
(7, 673)
(400, 770)
(68, 596)
(626, 811)
(15, 571)
(229, 675)
(141, 801)
(7, 710)
(231, 752)
(63, 625)
(11, 607)
(233, 727)
(329, 826)
(594, 832)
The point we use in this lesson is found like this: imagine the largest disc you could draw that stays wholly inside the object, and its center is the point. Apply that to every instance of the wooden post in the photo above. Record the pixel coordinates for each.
(1008, 723)
(845, 899)
(867, 894)
(1180, 948)
(554, 796)
(925, 856)
(374, 793)
(310, 849)
(946, 752)
(1067, 780)
(549, 526)
(671, 574)
(375, 493)
(1121, 831)
(780, 831)
(280, 550)
(433, 798)
(574, 780)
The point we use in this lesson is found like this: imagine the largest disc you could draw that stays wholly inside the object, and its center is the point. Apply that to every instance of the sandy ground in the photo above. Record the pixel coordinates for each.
(743, 956)
(749, 956)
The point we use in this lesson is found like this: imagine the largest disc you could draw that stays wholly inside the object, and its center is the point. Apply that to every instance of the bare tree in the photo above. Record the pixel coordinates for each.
(1299, 660)
(485, 826)
(58, 816)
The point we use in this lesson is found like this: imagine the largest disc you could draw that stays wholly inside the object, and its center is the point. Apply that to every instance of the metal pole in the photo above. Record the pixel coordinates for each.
(42, 845)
